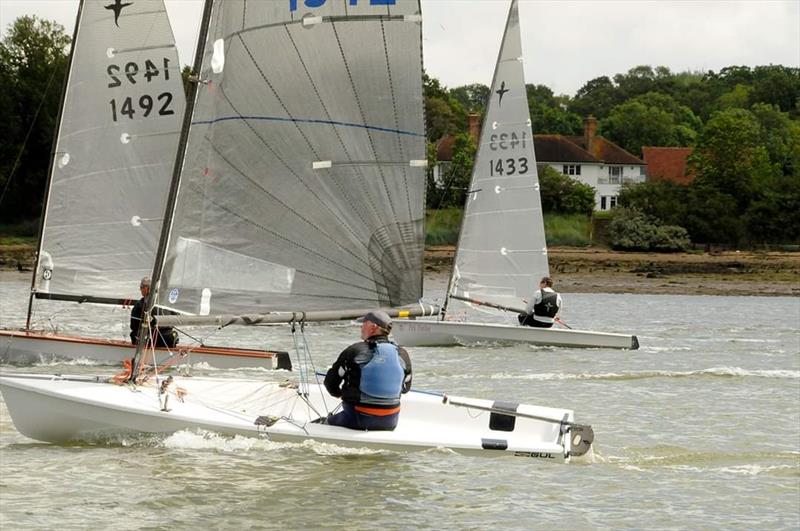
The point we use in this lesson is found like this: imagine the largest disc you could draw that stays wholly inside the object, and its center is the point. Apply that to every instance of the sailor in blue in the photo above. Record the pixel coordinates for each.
(542, 309)
(369, 377)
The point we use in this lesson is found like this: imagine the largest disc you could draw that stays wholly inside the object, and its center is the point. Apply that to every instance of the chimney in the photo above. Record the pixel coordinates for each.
(589, 131)
(474, 126)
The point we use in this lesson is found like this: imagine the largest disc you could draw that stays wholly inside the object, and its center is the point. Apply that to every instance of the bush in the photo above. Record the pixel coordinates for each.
(631, 230)
(562, 194)
(571, 230)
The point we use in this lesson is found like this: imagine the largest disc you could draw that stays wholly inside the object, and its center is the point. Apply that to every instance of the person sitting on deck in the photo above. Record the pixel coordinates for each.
(542, 308)
(166, 336)
(369, 377)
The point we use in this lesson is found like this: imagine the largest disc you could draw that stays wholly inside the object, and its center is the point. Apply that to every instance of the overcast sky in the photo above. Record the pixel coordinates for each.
(565, 42)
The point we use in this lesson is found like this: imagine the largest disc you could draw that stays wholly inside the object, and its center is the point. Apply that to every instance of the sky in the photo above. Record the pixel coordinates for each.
(565, 42)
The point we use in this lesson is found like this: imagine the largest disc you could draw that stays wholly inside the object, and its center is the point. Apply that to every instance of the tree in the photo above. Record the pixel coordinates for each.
(459, 174)
(33, 59)
(596, 97)
(472, 97)
(652, 119)
(731, 158)
(563, 194)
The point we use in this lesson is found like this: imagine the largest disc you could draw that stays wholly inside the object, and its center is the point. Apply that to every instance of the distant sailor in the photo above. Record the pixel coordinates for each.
(369, 377)
(166, 336)
(542, 308)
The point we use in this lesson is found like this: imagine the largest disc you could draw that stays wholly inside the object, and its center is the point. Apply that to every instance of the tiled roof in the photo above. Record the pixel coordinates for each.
(557, 148)
(607, 152)
(668, 163)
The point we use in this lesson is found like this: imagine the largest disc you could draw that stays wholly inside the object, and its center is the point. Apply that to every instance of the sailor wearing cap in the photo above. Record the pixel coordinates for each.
(369, 377)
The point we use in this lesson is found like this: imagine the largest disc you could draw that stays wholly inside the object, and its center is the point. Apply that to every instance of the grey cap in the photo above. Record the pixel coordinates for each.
(378, 317)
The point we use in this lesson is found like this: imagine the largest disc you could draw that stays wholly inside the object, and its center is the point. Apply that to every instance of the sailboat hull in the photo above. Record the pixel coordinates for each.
(61, 409)
(23, 348)
(418, 333)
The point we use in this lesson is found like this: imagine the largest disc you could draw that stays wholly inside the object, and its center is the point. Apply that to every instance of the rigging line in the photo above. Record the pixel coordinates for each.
(313, 369)
(353, 207)
(296, 244)
(363, 119)
(297, 213)
(28, 135)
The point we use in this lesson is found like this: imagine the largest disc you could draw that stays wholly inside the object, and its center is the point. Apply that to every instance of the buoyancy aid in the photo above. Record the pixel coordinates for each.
(382, 376)
(547, 308)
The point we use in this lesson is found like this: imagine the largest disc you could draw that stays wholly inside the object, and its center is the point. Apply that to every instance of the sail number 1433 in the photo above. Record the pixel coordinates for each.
(508, 166)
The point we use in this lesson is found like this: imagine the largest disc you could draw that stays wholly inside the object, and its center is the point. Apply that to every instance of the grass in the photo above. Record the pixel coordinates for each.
(442, 226)
(570, 230)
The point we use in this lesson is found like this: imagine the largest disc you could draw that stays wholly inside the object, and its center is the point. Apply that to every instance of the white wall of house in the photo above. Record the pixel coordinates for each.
(606, 179)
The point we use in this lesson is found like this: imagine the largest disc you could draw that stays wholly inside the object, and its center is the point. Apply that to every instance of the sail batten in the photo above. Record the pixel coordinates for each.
(285, 192)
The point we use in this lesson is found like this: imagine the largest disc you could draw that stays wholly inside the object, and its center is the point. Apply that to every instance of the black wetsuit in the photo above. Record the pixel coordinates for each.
(165, 336)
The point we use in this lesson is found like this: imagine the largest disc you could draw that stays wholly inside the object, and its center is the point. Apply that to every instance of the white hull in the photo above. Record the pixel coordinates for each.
(60, 409)
(420, 332)
(24, 348)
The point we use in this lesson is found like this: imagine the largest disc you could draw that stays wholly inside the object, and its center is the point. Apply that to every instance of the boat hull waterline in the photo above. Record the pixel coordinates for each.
(25, 348)
(60, 409)
(419, 333)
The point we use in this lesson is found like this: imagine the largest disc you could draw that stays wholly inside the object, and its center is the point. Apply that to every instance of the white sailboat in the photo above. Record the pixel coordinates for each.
(297, 196)
(113, 153)
(502, 253)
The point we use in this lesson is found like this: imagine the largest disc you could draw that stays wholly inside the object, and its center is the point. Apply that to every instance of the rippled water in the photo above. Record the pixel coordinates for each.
(699, 429)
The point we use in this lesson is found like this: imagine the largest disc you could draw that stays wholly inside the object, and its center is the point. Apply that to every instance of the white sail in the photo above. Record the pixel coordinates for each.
(302, 187)
(502, 253)
(114, 153)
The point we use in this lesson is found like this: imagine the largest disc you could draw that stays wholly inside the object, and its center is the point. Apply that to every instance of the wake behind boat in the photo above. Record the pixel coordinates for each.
(502, 253)
(61, 409)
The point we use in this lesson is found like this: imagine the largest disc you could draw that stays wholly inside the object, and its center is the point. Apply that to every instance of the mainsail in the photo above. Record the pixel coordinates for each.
(114, 152)
(302, 184)
(501, 252)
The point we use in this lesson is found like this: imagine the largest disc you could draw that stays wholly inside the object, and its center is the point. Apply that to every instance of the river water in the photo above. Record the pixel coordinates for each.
(698, 429)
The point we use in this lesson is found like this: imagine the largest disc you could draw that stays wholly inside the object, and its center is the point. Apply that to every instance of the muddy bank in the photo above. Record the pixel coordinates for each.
(603, 271)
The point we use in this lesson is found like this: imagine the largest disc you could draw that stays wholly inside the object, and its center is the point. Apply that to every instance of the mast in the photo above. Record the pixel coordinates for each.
(450, 284)
(56, 137)
(158, 266)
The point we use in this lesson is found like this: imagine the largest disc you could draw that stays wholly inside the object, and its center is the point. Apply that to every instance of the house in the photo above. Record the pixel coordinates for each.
(590, 159)
(668, 164)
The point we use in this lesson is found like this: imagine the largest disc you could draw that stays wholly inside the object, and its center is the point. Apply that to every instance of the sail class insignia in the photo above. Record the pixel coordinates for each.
(117, 7)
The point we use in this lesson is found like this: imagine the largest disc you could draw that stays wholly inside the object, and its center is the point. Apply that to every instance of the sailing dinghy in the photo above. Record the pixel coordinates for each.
(297, 196)
(114, 149)
(502, 253)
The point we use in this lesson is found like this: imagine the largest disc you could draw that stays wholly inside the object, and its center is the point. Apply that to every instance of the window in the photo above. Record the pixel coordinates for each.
(612, 201)
(603, 202)
(571, 169)
(614, 174)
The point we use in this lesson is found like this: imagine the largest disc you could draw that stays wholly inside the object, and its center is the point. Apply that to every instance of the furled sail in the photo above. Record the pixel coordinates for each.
(502, 253)
(114, 152)
(302, 185)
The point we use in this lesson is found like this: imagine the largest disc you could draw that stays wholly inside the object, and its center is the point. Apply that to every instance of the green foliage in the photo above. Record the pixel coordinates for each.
(33, 63)
(458, 176)
(563, 194)
(572, 230)
(442, 226)
(663, 200)
(651, 119)
(472, 97)
(631, 230)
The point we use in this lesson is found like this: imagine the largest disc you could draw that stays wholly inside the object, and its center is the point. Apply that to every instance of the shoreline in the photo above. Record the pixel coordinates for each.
(596, 270)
